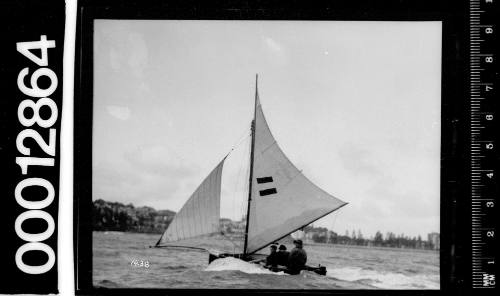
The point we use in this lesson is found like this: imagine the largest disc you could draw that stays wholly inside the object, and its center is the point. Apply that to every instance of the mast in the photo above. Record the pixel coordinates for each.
(251, 164)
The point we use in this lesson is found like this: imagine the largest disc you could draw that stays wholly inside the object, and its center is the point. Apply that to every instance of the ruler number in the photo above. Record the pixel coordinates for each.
(489, 175)
(488, 59)
(490, 233)
(25, 49)
(488, 30)
(489, 146)
(490, 204)
(489, 1)
(488, 88)
(489, 117)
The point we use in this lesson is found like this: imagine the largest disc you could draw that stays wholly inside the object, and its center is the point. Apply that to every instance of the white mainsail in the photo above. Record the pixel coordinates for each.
(282, 198)
(200, 214)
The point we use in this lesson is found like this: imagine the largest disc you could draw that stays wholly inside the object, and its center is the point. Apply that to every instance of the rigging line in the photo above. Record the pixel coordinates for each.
(187, 240)
(199, 219)
(236, 187)
(231, 241)
(194, 211)
(175, 219)
(217, 197)
(202, 214)
(180, 225)
(215, 201)
(244, 204)
(183, 247)
(335, 215)
(241, 184)
(335, 220)
(190, 213)
(246, 134)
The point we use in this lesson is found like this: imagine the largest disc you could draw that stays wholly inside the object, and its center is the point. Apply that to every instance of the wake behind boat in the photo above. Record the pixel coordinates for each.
(281, 200)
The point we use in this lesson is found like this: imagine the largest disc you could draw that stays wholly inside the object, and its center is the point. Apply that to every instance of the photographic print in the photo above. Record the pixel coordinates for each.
(266, 154)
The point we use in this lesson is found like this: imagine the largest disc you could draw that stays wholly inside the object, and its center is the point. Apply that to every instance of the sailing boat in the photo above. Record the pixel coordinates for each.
(281, 200)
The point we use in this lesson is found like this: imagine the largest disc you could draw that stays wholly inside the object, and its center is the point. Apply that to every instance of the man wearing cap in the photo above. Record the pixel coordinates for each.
(297, 258)
(283, 255)
(272, 258)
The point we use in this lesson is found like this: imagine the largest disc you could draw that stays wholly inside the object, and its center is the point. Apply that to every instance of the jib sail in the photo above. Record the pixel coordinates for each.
(200, 214)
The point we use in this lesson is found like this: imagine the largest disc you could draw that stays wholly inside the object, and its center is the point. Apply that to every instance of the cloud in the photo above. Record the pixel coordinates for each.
(395, 189)
(137, 57)
(107, 175)
(115, 60)
(273, 45)
(126, 185)
(358, 161)
(403, 202)
(118, 112)
(158, 160)
(151, 176)
(276, 52)
(128, 52)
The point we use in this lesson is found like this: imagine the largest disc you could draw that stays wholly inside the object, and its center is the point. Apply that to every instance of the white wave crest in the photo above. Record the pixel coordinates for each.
(384, 280)
(231, 263)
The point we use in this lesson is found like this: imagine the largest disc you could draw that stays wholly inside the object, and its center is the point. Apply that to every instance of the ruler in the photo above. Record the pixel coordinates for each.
(482, 70)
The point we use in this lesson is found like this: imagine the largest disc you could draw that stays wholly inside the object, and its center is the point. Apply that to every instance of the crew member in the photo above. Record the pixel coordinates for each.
(297, 258)
(272, 258)
(283, 255)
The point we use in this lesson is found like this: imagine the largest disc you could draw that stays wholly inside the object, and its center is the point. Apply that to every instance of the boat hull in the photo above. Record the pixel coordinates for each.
(321, 270)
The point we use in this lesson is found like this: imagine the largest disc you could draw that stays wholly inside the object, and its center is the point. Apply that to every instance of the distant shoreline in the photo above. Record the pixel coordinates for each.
(369, 247)
(115, 216)
(305, 244)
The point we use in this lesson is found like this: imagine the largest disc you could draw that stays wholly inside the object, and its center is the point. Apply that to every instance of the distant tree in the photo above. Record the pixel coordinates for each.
(413, 242)
(332, 237)
(318, 238)
(378, 240)
(390, 240)
(120, 217)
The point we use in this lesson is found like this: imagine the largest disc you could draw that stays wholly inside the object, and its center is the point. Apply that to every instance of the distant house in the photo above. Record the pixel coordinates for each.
(230, 226)
(316, 235)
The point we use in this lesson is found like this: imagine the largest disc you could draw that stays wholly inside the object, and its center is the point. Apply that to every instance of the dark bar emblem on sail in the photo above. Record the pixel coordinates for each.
(266, 191)
(264, 180)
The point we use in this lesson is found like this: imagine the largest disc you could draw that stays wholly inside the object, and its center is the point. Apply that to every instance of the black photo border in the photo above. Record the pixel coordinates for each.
(455, 212)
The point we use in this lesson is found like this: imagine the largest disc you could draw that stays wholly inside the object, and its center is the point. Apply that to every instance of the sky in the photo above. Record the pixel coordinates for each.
(355, 105)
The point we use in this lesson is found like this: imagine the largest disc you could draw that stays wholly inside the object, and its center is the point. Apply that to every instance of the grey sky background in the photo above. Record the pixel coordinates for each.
(355, 105)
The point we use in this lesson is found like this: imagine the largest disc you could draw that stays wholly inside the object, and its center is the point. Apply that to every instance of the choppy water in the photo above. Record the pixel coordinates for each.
(348, 267)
